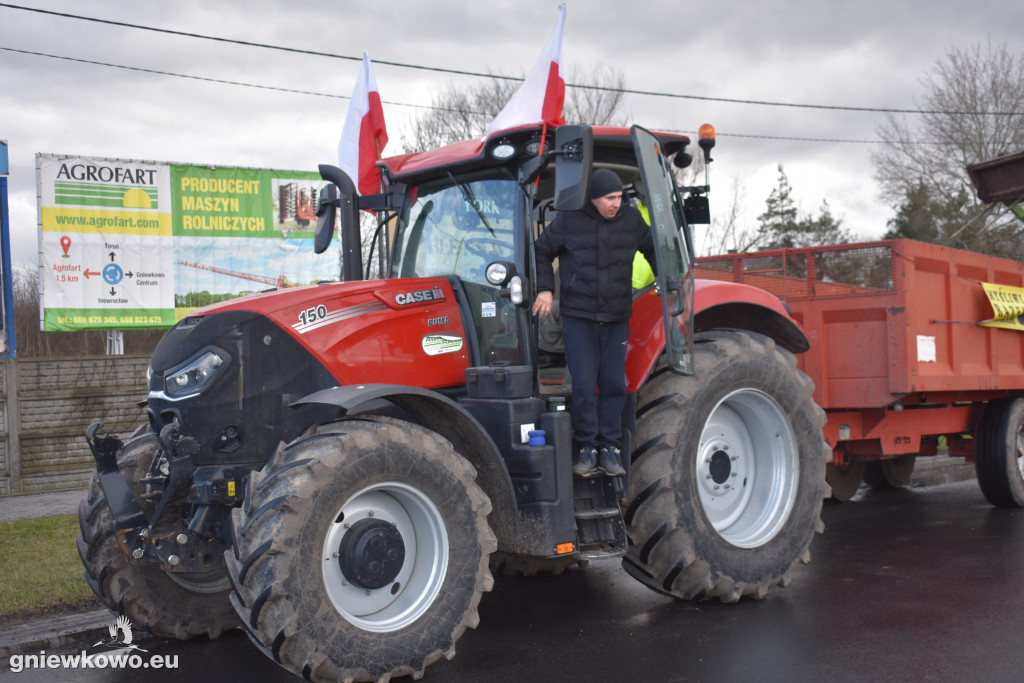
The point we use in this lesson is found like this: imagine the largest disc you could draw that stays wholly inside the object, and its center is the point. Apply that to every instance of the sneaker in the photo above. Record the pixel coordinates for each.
(610, 461)
(585, 461)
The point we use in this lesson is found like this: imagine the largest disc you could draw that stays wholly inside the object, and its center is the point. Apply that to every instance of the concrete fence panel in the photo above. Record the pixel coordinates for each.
(47, 404)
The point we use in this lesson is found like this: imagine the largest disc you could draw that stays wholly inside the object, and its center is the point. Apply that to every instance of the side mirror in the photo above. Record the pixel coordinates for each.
(574, 155)
(343, 199)
(696, 209)
(326, 216)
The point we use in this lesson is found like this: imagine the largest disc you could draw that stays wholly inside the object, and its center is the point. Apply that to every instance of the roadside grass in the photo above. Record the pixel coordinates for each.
(40, 570)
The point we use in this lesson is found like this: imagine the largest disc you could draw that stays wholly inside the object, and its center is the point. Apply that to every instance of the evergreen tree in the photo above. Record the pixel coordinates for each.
(781, 227)
(777, 225)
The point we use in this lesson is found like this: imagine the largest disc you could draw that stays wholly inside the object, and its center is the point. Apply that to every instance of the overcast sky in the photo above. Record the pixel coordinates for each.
(871, 53)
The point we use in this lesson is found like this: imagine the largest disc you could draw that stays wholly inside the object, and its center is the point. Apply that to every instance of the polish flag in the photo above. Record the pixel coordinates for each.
(541, 97)
(364, 135)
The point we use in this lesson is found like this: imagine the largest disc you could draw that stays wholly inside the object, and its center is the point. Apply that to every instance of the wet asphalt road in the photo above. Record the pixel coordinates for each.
(918, 585)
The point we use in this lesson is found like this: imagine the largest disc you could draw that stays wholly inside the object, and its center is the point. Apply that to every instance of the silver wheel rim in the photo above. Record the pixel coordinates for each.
(747, 468)
(418, 582)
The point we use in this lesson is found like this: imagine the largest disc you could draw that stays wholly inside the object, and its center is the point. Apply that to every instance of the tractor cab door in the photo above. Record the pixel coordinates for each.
(673, 244)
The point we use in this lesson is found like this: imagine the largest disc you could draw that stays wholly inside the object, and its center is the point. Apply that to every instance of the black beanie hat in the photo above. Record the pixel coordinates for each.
(604, 182)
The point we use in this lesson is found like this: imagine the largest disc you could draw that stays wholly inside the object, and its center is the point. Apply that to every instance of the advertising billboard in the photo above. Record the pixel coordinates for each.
(127, 244)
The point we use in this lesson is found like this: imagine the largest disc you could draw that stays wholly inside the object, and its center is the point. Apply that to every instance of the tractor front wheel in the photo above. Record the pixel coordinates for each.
(361, 552)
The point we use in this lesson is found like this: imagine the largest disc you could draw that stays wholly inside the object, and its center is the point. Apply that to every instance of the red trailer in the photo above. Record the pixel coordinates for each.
(900, 358)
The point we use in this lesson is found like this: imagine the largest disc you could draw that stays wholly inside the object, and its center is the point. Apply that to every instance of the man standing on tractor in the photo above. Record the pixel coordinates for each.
(595, 248)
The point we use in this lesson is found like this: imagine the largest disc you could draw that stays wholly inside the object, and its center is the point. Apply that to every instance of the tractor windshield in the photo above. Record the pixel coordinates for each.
(456, 225)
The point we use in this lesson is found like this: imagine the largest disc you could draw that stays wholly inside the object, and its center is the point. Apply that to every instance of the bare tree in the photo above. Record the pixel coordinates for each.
(973, 110)
(729, 233)
(461, 113)
(458, 113)
(598, 97)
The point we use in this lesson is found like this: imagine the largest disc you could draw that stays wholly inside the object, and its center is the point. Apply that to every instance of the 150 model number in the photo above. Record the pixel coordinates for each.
(311, 315)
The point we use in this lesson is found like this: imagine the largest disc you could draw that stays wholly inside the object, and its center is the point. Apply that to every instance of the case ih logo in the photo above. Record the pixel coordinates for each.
(419, 296)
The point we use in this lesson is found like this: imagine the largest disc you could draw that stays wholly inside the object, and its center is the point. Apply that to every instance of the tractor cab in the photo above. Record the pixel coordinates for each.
(470, 213)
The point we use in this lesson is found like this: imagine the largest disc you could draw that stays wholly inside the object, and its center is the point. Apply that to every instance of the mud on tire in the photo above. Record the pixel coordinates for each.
(145, 594)
(728, 474)
(307, 596)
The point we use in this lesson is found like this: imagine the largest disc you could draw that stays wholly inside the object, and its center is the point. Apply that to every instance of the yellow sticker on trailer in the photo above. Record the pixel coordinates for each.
(1007, 306)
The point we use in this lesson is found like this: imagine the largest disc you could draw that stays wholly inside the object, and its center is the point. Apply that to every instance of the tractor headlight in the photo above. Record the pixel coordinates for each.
(195, 376)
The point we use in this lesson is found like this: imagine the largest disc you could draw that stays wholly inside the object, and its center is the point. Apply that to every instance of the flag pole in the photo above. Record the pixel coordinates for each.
(384, 244)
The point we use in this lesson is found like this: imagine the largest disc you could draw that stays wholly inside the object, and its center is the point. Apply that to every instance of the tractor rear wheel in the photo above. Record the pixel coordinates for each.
(728, 473)
(170, 606)
(361, 552)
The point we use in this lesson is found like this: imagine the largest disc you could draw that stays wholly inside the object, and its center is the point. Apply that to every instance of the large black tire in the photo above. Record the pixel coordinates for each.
(728, 474)
(308, 598)
(999, 452)
(890, 474)
(169, 606)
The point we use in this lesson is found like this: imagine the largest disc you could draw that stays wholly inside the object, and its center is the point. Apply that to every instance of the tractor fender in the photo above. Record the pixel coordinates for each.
(719, 305)
(440, 414)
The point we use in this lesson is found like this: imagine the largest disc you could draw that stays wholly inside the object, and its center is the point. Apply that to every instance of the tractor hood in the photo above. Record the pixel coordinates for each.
(367, 331)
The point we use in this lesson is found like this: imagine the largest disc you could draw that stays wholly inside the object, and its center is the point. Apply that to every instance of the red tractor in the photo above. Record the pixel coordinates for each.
(341, 467)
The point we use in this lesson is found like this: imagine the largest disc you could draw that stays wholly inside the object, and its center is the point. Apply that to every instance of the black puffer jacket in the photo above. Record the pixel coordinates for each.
(595, 257)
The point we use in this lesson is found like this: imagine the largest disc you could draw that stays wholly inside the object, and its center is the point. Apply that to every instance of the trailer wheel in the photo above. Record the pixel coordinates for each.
(361, 552)
(844, 480)
(168, 606)
(891, 473)
(999, 452)
(728, 473)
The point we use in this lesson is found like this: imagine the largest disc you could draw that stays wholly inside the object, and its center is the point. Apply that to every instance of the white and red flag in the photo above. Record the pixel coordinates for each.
(541, 97)
(364, 135)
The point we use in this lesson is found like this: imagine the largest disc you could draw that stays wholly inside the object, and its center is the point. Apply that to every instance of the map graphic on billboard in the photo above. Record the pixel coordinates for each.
(130, 244)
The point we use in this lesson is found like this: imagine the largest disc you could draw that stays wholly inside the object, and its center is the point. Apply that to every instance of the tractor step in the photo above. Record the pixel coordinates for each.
(601, 553)
(599, 513)
(599, 525)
